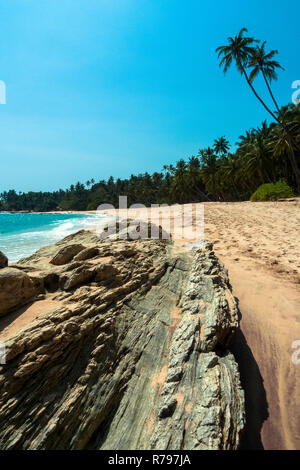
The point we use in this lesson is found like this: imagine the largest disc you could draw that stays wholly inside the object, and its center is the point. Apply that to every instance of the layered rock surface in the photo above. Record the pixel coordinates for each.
(135, 355)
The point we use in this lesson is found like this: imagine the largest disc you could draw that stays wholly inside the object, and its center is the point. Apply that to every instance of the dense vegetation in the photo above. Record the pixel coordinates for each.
(267, 154)
(272, 192)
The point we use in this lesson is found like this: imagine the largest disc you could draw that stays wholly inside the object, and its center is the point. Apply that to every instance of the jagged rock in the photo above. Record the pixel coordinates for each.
(66, 254)
(16, 289)
(3, 260)
(136, 355)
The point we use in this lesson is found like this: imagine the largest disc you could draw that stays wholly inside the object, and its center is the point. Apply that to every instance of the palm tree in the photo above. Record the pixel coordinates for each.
(281, 136)
(263, 62)
(209, 169)
(194, 179)
(180, 183)
(230, 172)
(257, 159)
(240, 49)
(221, 146)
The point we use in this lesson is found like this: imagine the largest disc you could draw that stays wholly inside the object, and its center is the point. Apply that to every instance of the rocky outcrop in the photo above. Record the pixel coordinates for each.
(3, 260)
(136, 355)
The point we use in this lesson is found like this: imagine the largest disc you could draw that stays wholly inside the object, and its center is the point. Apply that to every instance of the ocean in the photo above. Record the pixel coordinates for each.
(21, 234)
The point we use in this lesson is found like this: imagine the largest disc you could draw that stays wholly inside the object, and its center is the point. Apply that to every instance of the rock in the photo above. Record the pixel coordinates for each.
(86, 254)
(66, 254)
(105, 271)
(127, 229)
(3, 260)
(16, 289)
(81, 275)
(136, 355)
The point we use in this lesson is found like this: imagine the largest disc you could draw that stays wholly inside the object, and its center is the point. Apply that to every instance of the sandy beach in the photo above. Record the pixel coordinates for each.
(259, 243)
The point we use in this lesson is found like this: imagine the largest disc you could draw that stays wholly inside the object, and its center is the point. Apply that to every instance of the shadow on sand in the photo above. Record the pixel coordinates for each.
(10, 317)
(255, 394)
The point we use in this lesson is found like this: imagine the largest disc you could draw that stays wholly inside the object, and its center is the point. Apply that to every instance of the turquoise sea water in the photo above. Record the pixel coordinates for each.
(23, 234)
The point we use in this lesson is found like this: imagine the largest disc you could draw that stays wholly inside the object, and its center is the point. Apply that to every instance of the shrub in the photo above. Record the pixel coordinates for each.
(272, 191)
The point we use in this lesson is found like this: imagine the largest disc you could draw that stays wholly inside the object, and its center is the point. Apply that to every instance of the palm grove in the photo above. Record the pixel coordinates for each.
(269, 153)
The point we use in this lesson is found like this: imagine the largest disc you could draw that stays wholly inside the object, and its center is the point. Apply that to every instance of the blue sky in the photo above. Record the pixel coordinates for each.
(113, 87)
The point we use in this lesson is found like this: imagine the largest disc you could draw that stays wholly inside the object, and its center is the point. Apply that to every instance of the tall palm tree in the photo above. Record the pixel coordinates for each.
(180, 181)
(257, 159)
(194, 179)
(240, 49)
(221, 146)
(209, 169)
(263, 62)
(230, 167)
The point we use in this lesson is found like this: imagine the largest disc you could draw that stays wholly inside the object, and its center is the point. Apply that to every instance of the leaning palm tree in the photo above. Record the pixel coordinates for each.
(240, 49)
(263, 62)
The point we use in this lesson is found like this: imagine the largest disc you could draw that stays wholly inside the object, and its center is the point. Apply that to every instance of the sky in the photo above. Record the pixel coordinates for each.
(96, 88)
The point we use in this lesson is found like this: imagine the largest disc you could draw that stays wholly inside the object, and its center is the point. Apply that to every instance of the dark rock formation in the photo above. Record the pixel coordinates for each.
(3, 260)
(136, 355)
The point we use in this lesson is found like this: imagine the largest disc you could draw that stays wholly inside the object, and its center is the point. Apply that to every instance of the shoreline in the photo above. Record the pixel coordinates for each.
(24, 234)
(295, 199)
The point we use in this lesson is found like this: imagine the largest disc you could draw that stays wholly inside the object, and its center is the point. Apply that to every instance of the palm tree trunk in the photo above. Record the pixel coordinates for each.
(257, 96)
(270, 91)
